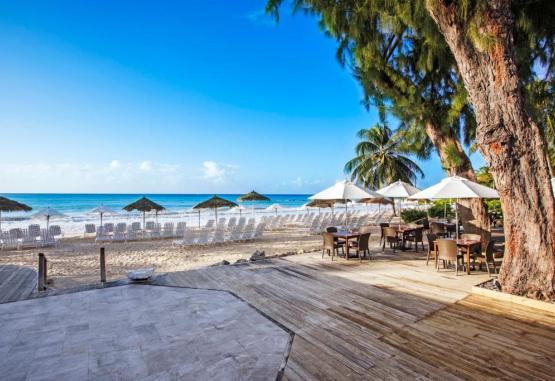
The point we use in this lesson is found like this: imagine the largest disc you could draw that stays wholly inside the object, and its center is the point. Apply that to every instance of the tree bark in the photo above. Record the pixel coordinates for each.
(511, 143)
(473, 212)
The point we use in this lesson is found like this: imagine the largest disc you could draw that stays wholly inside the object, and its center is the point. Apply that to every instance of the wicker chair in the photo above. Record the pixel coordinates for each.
(390, 237)
(382, 226)
(490, 257)
(362, 247)
(447, 251)
(330, 245)
(416, 236)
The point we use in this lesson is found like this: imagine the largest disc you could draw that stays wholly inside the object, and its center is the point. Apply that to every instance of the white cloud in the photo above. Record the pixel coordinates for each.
(145, 166)
(115, 176)
(218, 173)
(115, 164)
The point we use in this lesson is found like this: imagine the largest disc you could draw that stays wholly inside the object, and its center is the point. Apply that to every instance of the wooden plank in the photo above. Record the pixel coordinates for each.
(387, 320)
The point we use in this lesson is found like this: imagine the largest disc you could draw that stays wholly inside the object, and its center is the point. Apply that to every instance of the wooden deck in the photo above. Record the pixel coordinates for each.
(16, 283)
(390, 318)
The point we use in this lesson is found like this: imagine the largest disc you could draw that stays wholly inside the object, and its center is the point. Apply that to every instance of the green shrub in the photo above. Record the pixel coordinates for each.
(410, 215)
(437, 210)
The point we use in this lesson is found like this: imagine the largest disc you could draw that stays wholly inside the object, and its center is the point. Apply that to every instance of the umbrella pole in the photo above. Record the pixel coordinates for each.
(199, 218)
(457, 218)
(445, 211)
(216, 214)
(101, 218)
(346, 215)
(144, 220)
(0, 220)
(47, 223)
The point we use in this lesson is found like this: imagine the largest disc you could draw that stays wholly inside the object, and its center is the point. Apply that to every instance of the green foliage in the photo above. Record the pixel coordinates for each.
(484, 177)
(437, 209)
(411, 215)
(380, 159)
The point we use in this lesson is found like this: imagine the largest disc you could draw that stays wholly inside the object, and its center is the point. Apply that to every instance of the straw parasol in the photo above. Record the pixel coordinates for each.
(144, 205)
(376, 200)
(215, 203)
(102, 210)
(455, 187)
(7, 205)
(321, 204)
(253, 196)
(48, 213)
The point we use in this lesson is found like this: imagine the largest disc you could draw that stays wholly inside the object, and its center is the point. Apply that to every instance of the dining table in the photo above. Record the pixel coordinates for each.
(466, 245)
(346, 235)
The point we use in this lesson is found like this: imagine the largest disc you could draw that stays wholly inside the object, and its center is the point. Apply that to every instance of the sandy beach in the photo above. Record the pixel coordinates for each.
(75, 261)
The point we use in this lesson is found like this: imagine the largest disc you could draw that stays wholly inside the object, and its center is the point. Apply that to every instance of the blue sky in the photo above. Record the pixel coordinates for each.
(173, 97)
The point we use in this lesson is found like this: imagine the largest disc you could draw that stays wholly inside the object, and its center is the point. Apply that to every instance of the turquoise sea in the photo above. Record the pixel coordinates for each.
(76, 205)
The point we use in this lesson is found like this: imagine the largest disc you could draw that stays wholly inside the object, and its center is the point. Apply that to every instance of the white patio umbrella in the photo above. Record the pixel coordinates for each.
(275, 207)
(345, 191)
(102, 210)
(239, 208)
(455, 187)
(48, 213)
(553, 185)
(398, 190)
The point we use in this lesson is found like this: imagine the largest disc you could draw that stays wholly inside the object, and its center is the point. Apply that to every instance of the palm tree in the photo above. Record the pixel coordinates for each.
(380, 158)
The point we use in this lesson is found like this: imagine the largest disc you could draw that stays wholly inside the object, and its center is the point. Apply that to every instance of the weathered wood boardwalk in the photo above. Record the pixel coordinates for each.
(387, 319)
(16, 283)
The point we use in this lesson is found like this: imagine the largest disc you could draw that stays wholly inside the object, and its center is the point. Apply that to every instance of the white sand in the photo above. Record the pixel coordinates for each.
(75, 261)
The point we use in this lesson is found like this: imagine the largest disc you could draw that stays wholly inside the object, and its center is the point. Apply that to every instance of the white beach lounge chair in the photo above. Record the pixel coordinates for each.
(134, 235)
(121, 227)
(180, 230)
(46, 239)
(168, 230)
(34, 230)
(102, 235)
(209, 224)
(108, 228)
(231, 223)
(9, 243)
(119, 236)
(89, 229)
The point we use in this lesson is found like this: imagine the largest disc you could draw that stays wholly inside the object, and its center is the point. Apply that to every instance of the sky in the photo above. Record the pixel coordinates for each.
(173, 97)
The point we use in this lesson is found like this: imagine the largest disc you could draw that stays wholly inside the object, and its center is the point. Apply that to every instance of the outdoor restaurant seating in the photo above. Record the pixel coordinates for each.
(416, 236)
(361, 245)
(391, 238)
(447, 251)
(491, 258)
(330, 245)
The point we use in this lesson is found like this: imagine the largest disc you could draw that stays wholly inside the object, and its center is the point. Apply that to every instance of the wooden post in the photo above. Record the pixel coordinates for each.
(41, 286)
(102, 265)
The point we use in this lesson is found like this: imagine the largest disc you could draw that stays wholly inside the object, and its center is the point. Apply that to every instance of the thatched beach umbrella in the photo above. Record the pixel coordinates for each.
(376, 200)
(144, 205)
(321, 204)
(215, 203)
(253, 196)
(7, 205)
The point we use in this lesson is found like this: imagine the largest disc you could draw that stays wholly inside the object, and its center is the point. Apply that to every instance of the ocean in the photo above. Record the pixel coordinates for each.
(76, 208)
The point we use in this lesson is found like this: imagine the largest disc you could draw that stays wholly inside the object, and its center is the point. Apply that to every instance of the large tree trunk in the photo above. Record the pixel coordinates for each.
(511, 143)
(473, 212)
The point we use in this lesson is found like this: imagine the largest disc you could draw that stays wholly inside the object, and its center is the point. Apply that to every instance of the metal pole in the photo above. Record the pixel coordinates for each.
(41, 286)
(457, 218)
